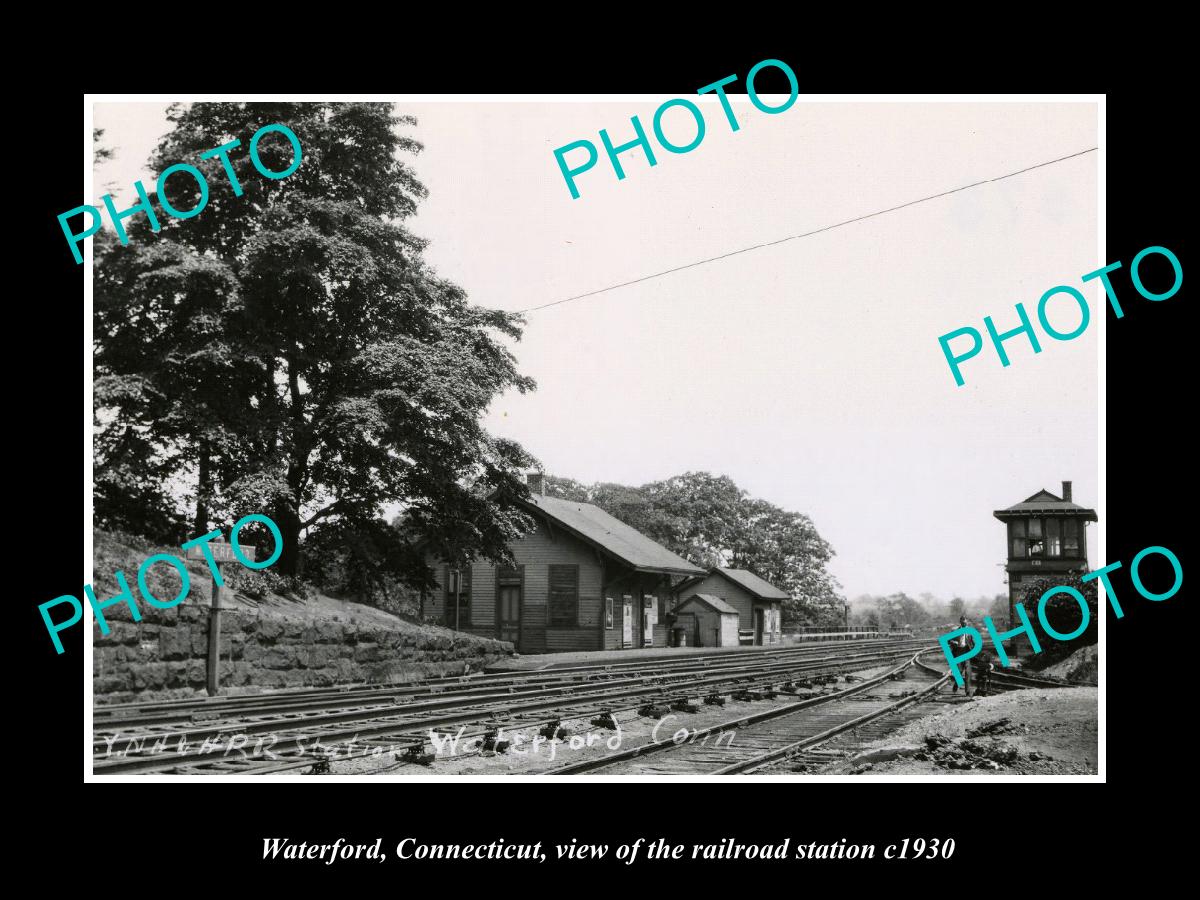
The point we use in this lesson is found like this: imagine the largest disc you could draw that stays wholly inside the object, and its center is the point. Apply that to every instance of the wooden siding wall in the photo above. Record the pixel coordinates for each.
(707, 627)
(689, 623)
(734, 595)
(708, 631)
(481, 623)
(621, 582)
(611, 639)
(740, 599)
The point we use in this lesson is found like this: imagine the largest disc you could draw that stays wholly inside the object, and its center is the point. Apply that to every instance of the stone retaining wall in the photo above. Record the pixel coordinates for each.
(164, 655)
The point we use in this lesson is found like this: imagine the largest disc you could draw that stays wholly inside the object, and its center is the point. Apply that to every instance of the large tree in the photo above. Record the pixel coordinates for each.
(170, 380)
(785, 548)
(290, 351)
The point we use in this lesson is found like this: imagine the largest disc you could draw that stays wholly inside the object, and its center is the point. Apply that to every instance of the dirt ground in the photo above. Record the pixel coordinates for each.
(522, 756)
(1031, 732)
(1082, 665)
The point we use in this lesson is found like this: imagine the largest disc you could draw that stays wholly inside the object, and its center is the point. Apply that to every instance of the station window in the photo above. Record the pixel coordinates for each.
(564, 596)
(1049, 537)
(1017, 530)
(608, 613)
(1071, 537)
(1053, 538)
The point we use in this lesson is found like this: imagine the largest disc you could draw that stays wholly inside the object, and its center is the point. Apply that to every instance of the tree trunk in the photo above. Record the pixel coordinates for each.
(290, 527)
(290, 524)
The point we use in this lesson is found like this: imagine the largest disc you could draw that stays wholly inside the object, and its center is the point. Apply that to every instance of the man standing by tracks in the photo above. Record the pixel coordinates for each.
(961, 645)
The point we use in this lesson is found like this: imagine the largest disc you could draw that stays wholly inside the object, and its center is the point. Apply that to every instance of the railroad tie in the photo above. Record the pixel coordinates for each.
(605, 720)
(653, 710)
(417, 755)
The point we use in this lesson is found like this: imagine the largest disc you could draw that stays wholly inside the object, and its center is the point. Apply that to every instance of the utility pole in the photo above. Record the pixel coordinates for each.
(214, 638)
(221, 553)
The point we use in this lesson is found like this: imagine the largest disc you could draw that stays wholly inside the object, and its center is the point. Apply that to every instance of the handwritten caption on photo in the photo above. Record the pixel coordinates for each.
(244, 746)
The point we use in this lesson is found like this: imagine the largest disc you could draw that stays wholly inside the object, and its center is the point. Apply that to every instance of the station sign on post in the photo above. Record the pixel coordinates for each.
(221, 553)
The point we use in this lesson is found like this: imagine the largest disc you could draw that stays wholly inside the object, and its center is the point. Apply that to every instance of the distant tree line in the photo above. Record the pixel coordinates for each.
(899, 609)
(710, 521)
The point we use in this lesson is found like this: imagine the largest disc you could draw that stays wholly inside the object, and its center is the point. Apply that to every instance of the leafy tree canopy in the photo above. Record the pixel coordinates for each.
(288, 350)
(710, 521)
(1064, 615)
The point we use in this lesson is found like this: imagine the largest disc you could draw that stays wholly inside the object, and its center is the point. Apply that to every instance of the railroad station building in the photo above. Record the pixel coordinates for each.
(1047, 538)
(583, 580)
(759, 604)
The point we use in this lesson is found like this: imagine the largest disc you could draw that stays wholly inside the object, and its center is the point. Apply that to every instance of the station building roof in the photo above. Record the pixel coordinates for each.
(609, 534)
(1045, 503)
(759, 588)
(715, 603)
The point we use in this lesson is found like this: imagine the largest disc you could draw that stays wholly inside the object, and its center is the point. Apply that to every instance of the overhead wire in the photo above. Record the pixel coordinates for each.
(794, 237)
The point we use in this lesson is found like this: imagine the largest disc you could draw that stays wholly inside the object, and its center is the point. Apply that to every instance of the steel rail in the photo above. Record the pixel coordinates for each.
(757, 762)
(467, 738)
(149, 712)
(569, 708)
(1021, 678)
(254, 720)
(741, 722)
(1034, 681)
(311, 729)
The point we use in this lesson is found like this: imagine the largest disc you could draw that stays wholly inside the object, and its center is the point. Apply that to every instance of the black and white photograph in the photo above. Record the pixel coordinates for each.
(619, 437)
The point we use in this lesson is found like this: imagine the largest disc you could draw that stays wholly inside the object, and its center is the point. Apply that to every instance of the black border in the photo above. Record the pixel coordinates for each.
(1148, 452)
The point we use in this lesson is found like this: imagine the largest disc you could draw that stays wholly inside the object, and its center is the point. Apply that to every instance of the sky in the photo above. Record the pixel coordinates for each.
(810, 371)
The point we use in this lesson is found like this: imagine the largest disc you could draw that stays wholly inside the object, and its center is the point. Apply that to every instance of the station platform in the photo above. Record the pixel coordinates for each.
(538, 662)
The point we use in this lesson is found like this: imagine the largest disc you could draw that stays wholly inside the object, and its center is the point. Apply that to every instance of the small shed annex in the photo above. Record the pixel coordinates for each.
(709, 621)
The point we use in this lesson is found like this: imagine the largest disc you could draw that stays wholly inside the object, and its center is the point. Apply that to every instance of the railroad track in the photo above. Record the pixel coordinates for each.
(762, 738)
(293, 736)
(836, 742)
(207, 709)
(1010, 681)
(803, 731)
(400, 718)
